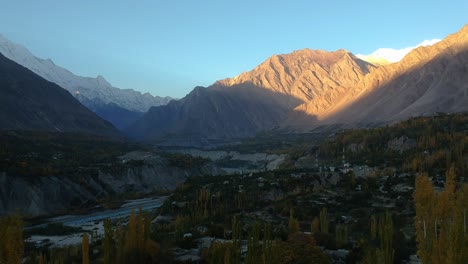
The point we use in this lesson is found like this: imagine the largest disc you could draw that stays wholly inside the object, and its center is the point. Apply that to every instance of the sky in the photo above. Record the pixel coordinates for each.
(169, 47)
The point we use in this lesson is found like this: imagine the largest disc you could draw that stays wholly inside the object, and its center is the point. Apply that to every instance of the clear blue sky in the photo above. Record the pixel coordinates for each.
(169, 47)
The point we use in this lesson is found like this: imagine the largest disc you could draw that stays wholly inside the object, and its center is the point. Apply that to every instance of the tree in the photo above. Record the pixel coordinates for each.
(131, 239)
(267, 246)
(108, 242)
(299, 249)
(253, 245)
(11, 242)
(85, 249)
(324, 221)
(152, 251)
(386, 252)
(133, 244)
(424, 199)
(315, 225)
(341, 235)
(236, 240)
(441, 220)
(293, 224)
(218, 253)
(373, 228)
(383, 252)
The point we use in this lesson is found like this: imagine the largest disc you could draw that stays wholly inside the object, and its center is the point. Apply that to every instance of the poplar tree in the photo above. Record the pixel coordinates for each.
(424, 199)
(85, 249)
(441, 220)
(131, 238)
(108, 242)
(236, 240)
(315, 225)
(253, 245)
(386, 252)
(267, 246)
(11, 242)
(373, 228)
(293, 224)
(324, 221)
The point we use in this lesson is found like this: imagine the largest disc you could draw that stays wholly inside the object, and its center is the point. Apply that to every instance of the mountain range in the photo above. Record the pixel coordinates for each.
(308, 90)
(119, 106)
(29, 102)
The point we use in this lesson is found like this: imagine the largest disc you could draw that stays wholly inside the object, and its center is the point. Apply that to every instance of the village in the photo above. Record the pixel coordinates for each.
(349, 194)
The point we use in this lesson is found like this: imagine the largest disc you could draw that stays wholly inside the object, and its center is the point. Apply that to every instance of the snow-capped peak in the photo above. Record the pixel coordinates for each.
(90, 88)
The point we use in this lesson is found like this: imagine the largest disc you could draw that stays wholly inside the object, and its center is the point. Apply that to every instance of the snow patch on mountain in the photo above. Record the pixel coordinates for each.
(384, 56)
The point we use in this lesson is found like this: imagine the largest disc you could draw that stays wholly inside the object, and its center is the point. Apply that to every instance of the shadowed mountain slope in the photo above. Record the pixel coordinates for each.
(254, 101)
(29, 102)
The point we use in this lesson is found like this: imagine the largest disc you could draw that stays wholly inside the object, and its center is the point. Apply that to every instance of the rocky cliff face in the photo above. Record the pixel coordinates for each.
(59, 194)
(142, 172)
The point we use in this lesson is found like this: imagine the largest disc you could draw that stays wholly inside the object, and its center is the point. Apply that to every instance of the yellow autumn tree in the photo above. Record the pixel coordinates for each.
(11, 242)
(424, 198)
(441, 220)
(85, 249)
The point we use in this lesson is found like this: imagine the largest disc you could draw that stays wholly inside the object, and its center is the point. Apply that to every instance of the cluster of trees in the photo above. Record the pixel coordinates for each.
(441, 220)
(11, 239)
(439, 142)
(380, 246)
(130, 244)
(263, 248)
(32, 153)
(185, 161)
(121, 244)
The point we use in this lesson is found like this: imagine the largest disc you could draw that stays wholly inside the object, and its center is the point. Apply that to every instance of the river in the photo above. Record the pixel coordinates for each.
(92, 222)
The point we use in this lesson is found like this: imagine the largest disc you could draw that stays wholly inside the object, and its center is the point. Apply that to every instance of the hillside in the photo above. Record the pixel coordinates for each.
(28, 102)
